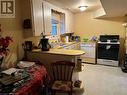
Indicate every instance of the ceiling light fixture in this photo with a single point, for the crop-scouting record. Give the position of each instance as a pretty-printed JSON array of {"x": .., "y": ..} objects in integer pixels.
[
  {"x": 124, "y": 24},
  {"x": 82, "y": 8}
]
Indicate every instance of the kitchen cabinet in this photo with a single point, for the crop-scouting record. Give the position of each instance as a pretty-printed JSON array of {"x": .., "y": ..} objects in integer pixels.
[
  {"x": 47, "y": 18},
  {"x": 42, "y": 17},
  {"x": 90, "y": 49},
  {"x": 69, "y": 24},
  {"x": 39, "y": 13},
  {"x": 32, "y": 10}
]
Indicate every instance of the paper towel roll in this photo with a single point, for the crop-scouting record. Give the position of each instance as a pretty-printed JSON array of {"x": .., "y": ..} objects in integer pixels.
[{"x": 67, "y": 39}]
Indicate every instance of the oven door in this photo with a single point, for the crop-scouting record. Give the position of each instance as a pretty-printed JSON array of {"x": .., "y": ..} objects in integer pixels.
[{"x": 108, "y": 51}]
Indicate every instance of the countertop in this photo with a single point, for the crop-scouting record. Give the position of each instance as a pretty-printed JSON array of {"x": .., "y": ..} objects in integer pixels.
[
  {"x": 89, "y": 42},
  {"x": 62, "y": 45},
  {"x": 61, "y": 52}
]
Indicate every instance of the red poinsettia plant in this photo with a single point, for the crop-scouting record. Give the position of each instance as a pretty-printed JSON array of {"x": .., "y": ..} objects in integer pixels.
[{"x": 4, "y": 43}]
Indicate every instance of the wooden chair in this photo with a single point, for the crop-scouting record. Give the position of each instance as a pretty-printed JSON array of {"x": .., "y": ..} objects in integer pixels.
[{"x": 62, "y": 75}]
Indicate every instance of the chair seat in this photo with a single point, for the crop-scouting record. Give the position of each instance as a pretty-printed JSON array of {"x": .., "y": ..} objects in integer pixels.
[
  {"x": 62, "y": 85},
  {"x": 62, "y": 76}
]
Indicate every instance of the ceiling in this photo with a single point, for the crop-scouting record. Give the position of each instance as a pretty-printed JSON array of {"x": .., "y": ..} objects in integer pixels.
[
  {"x": 112, "y": 8},
  {"x": 73, "y": 5},
  {"x": 115, "y": 8}
]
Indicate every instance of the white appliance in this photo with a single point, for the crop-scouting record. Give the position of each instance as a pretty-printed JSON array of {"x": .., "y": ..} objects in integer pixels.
[
  {"x": 108, "y": 50},
  {"x": 90, "y": 49}
]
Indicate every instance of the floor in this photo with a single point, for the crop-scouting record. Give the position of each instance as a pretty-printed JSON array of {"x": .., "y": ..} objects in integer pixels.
[{"x": 102, "y": 80}]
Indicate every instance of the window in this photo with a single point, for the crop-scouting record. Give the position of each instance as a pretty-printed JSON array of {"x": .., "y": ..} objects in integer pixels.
[
  {"x": 58, "y": 23},
  {"x": 54, "y": 29}
]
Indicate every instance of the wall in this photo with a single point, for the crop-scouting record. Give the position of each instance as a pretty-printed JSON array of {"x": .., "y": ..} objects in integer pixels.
[
  {"x": 86, "y": 26},
  {"x": 13, "y": 27}
]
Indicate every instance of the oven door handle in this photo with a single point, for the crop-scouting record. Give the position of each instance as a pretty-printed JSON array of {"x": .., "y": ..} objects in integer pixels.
[{"x": 107, "y": 60}]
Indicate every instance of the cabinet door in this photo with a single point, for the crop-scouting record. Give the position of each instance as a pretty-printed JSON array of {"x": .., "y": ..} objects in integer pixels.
[
  {"x": 69, "y": 22},
  {"x": 37, "y": 16},
  {"x": 47, "y": 18},
  {"x": 89, "y": 50}
]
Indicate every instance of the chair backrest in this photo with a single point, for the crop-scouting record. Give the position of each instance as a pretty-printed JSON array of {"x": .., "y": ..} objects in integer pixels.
[{"x": 62, "y": 70}]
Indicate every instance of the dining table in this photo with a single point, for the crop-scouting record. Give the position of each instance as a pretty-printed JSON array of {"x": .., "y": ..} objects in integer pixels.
[{"x": 34, "y": 83}]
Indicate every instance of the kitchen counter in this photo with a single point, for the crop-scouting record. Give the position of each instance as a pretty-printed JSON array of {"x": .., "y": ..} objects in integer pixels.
[
  {"x": 61, "y": 52},
  {"x": 58, "y": 54},
  {"x": 62, "y": 45}
]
